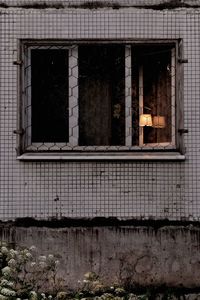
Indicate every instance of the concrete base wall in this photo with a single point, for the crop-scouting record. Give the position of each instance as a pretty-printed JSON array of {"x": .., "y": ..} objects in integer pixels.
[{"x": 169, "y": 255}]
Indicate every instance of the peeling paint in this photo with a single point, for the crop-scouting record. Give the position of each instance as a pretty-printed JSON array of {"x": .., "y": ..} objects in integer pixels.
[
  {"x": 173, "y": 4},
  {"x": 96, "y": 5},
  {"x": 167, "y": 5},
  {"x": 34, "y": 5},
  {"x": 100, "y": 222}
]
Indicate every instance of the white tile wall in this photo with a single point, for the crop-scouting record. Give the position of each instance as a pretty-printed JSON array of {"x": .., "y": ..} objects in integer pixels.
[{"x": 87, "y": 189}]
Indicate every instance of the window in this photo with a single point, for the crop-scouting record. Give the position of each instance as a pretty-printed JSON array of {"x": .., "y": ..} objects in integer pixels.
[{"x": 99, "y": 97}]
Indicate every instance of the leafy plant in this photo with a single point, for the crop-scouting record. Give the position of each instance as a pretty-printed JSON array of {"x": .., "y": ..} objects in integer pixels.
[{"x": 24, "y": 274}]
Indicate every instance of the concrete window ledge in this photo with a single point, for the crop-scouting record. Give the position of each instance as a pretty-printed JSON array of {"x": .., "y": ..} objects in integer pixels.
[{"x": 108, "y": 156}]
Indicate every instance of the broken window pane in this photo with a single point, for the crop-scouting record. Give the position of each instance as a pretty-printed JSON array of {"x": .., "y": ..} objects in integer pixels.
[
  {"x": 101, "y": 95},
  {"x": 49, "y": 81}
]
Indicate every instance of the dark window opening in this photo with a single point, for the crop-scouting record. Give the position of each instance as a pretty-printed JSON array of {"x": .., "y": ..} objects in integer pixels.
[
  {"x": 49, "y": 81},
  {"x": 101, "y": 95}
]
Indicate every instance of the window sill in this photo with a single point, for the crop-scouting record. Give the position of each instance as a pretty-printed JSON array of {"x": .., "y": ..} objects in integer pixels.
[{"x": 109, "y": 156}]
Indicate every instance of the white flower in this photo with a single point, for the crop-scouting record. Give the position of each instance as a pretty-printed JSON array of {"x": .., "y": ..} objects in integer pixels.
[
  {"x": 10, "y": 284},
  {"x": 5, "y": 282},
  {"x": 43, "y": 296},
  {"x": 85, "y": 280},
  {"x": 29, "y": 255},
  {"x": 25, "y": 251},
  {"x": 33, "y": 295},
  {"x": 20, "y": 258},
  {"x": 4, "y": 250},
  {"x": 8, "y": 292},
  {"x": 42, "y": 264},
  {"x": 33, "y": 264},
  {"x": 50, "y": 257},
  {"x": 42, "y": 258},
  {"x": 57, "y": 262},
  {"x": 33, "y": 248},
  {"x": 13, "y": 253},
  {"x": 61, "y": 295},
  {"x": 6, "y": 271},
  {"x": 12, "y": 262},
  {"x": 90, "y": 276},
  {"x": 3, "y": 297}
]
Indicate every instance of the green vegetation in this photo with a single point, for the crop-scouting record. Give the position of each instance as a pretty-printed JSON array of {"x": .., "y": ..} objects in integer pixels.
[{"x": 26, "y": 275}]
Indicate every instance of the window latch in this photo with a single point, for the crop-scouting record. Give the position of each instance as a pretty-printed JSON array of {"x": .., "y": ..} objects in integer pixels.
[
  {"x": 182, "y": 131},
  {"x": 19, "y": 131}
]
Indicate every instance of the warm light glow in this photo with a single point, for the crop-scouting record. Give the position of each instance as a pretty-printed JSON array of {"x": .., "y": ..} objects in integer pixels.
[
  {"x": 159, "y": 122},
  {"x": 145, "y": 120}
]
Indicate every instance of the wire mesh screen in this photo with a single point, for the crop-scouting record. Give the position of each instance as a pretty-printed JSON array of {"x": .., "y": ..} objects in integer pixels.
[
  {"x": 79, "y": 98},
  {"x": 88, "y": 189}
]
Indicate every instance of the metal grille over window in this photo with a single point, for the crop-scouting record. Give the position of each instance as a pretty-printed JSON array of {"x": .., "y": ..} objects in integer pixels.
[
  {"x": 99, "y": 97},
  {"x": 27, "y": 116},
  {"x": 73, "y": 97}
]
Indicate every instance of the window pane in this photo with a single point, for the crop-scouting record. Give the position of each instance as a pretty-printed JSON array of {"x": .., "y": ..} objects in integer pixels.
[
  {"x": 101, "y": 95},
  {"x": 152, "y": 64},
  {"x": 49, "y": 80},
  {"x": 157, "y": 94}
]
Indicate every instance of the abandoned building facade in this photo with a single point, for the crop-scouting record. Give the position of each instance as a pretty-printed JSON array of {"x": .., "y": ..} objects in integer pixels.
[{"x": 100, "y": 135}]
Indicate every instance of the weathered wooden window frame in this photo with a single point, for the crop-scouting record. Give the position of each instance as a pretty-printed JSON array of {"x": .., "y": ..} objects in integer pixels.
[{"x": 72, "y": 146}]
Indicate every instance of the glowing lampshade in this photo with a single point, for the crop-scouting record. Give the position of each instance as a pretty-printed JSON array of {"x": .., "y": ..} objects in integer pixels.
[
  {"x": 159, "y": 122},
  {"x": 145, "y": 120}
]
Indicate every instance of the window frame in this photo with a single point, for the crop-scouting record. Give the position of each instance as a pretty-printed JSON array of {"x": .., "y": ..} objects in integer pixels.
[
  {"x": 103, "y": 151},
  {"x": 73, "y": 101}
]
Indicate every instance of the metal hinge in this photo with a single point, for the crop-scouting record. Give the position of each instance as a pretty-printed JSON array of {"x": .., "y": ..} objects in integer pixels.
[
  {"x": 182, "y": 131},
  {"x": 19, "y": 131},
  {"x": 182, "y": 60},
  {"x": 18, "y": 62}
]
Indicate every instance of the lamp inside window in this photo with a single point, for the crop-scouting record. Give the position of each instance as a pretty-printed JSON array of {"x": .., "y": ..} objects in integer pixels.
[
  {"x": 145, "y": 120},
  {"x": 153, "y": 68}
]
